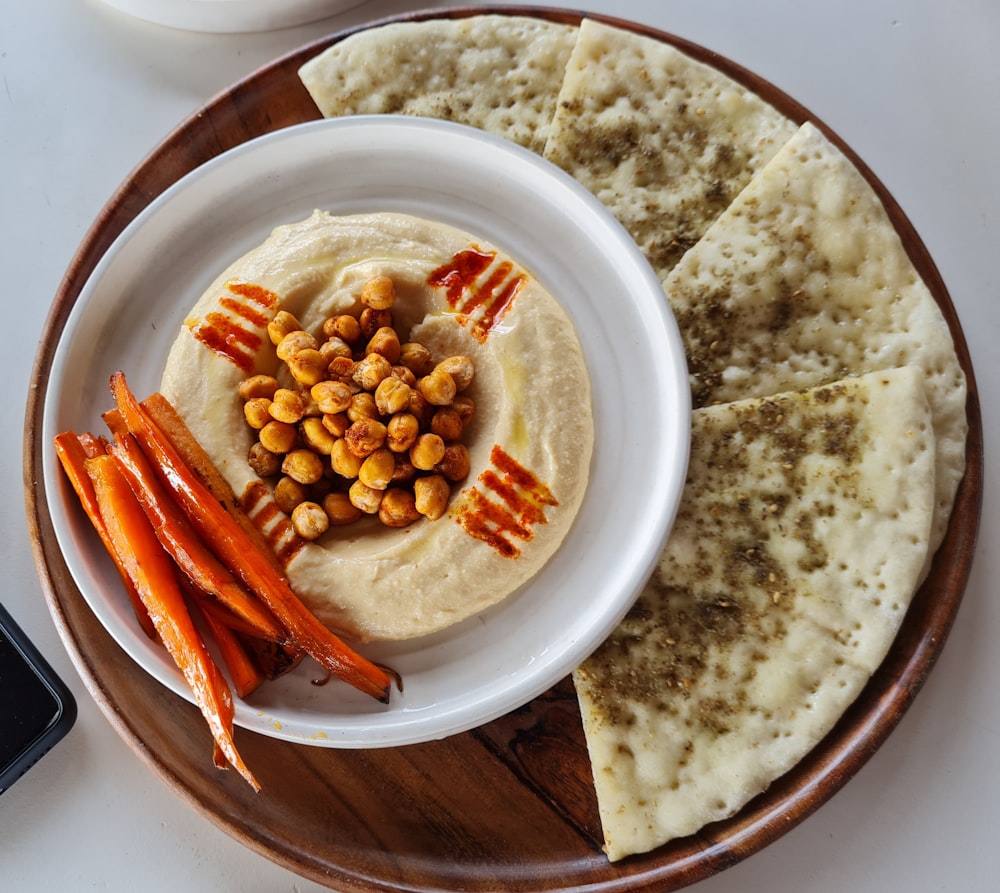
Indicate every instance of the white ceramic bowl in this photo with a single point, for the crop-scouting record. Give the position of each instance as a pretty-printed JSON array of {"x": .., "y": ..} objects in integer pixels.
[
  {"x": 232, "y": 16},
  {"x": 135, "y": 301}
]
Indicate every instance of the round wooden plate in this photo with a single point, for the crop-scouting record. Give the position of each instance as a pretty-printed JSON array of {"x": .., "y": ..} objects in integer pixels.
[{"x": 509, "y": 805}]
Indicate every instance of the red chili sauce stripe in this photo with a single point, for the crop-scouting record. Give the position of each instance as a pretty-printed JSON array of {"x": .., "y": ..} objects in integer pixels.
[
  {"x": 259, "y": 504},
  {"x": 226, "y": 331},
  {"x": 504, "y": 505},
  {"x": 466, "y": 293}
]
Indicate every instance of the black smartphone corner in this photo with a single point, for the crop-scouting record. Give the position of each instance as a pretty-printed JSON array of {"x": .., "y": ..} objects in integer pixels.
[{"x": 36, "y": 707}]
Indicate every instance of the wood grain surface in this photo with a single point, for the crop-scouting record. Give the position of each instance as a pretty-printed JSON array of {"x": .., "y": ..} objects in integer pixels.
[{"x": 509, "y": 805}]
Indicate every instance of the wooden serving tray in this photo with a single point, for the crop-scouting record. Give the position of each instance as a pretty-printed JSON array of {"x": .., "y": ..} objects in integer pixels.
[{"x": 509, "y": 805}]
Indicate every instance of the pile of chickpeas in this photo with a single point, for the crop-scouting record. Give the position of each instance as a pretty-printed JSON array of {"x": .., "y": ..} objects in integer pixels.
[{"x": 371, "y": 426}]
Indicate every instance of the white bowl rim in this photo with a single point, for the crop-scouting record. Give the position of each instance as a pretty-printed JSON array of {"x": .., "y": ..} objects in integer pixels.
[{"x": 666, "y": 399}]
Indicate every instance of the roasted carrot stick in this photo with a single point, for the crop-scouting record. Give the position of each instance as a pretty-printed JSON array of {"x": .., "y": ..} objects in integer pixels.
[
  {"x": 153, "y": 574},
  {"x": 242, "y": 670},
  {"x": 113, "y": 419},
  {"x": 221, "y": 613},
  {"x": 235, "y": 548},
  {"x": 183, "y": 544},
  {"x": 169, "y": 421},
  {"x": 92, "y": 444},
  {"x": 73, "y": 451},
  {"x": 244, "y": 673}
]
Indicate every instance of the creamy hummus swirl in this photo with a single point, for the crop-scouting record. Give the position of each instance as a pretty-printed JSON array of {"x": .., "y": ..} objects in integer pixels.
[{"x": 530, "y": 441}]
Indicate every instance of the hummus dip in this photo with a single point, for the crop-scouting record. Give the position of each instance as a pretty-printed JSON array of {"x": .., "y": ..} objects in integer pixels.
[{"x": 529, "y": 443}]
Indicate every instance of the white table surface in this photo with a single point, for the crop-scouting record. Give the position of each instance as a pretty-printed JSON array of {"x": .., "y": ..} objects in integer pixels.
[{"x": 913, "y": 86}]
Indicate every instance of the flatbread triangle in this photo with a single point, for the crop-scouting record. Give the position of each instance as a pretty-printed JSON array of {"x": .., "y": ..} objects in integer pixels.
[
  {"x": 803, "y": 280},
  {"x": 789, "y": 569},
  {"x": 499, "y": 73},
  {"x": 664, "y": 141}
]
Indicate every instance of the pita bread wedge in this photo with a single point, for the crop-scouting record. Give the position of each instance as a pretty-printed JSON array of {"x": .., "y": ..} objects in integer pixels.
[
  {"x": 797, "y": 548},
  {"x": 495, "y": 72},
  {"x": 802, "y": 281},
  {"x": 662, "y": 140}
]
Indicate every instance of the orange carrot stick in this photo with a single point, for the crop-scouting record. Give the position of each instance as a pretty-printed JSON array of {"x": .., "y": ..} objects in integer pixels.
[
  {"x": 221, "y": 613},
  {"x": 92, "y": 444},
  {"x": 183, "y": 544},
  {"x": 243, "y": 672},
  {"x": 161, "y": 411},
  {"x": 153, "y": 574},
  {"x": 113, "y": 419},
  {"x": 245, "y": 675},
  {"x": 232, "y": 545},
  {"x": 73, "y": 451}
]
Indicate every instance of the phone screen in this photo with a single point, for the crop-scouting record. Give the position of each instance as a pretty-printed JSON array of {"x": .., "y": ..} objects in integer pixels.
[{"x": 36, "y": 709}]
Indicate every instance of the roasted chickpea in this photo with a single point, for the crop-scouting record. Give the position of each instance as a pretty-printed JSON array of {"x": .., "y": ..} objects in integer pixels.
[
  {"x": 281, "y": 325},
  {"x": 362, "y": 406},
  {"x": 293, "y": 342},
  {"x": 454, "y": 464},
  {"x": 460, "y": 369},
  {"x": 397, "y": 508},
  {"x": 465, "y": 406},
  {"x": 386, "y": 343},
  {"x": 278, "y": 437},
  {"x": 416, "y": 358},
  {"x": 341, "y": 369},
  {"x": 447, "y": 424},
  {"x": 371, "y": 320},
  {"x": 287, "y": 406},
  {"x": 404, "y": 472},
  {"x": 377, "y": 470},
  {"x": 336, "y": 423},
  {"x": 401, "y": 432},
  {"x": 438, "y": 388},
  {"x": 379, "y": 293},
  {"x": 258, "y": 386},
  {"x": 365, "y": 436},
  {"x": 264, "y": 463},
  {"x": 343, "y": 326},
  {"x": 419, "y": 408},
  {"x": 404, "y": 375},
  {"x": 388, "y": 417},
  {"x": 343, "y": 461},
  {"x": 370, "y": 370},
  {"x": 289, "y": 493},
  {"x": 335, "y": 347},
  {"x": 340, "y": 510},
  {"x": 303, "y": 465},
  {"x": 331, "y": 396},
  {"x": 315, "y": 435},
  {"x": 365, "y": 498},
  {"x": 431, "y": 494},
  {"x": 427, "y": 451},
  {"x": 257, "y": 412},
  {"x": 310, "y": 520},
  {"x": 308, "y": 366},
  {"x": 392, "y": 396}
]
